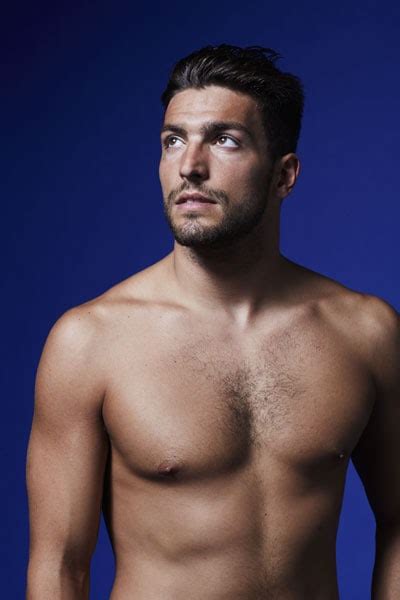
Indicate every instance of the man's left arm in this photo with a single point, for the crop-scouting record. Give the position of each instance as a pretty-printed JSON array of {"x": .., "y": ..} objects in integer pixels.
[{"x": 377, "y": 455}]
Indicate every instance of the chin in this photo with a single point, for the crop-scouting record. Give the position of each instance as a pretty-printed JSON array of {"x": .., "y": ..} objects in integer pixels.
[
  {"x": 203, "y": 239},
  {"x": 193, "y": 241}
]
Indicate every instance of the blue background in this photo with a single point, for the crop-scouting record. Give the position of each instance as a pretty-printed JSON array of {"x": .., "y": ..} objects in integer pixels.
[{"x": 82, "y": 201}]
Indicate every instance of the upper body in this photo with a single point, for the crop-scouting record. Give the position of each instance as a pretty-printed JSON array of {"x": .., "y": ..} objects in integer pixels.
[{"x": 210, "y": 404}]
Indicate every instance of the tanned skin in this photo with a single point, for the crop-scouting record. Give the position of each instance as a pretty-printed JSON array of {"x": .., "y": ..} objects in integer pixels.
[{"x": 210, "y": 403}]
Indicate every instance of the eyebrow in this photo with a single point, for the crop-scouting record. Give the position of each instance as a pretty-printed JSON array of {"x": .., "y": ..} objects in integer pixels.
[{"x": 209, "y": 127}]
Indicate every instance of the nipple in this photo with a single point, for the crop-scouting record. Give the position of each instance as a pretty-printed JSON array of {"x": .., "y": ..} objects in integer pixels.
[{"x": 168, "y": 468}]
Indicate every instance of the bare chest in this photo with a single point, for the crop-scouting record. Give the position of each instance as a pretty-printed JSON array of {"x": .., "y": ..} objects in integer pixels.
[{"x": 200, "y": 406}]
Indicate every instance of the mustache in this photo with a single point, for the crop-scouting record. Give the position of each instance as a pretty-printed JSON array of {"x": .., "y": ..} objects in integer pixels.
[{"x": 217, "y": 195}]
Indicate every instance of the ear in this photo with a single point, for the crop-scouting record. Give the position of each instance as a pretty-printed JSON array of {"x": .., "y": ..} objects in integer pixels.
[{"x": 287, "y": 170}]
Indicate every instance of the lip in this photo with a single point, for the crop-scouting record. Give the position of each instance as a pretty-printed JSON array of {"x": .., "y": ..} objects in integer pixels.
[
  {"x": 191, "y": 205},
  {"x": 194, "y": 199}
]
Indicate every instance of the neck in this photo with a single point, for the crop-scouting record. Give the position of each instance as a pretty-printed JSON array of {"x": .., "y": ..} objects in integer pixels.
[{"x": 238, "y": 279}]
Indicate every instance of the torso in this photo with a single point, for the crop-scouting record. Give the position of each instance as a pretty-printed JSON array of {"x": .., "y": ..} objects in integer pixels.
[{"x": 228, "y": 452}]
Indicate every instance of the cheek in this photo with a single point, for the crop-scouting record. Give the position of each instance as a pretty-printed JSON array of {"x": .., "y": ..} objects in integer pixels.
[
  {"x": 258, "y": 177},
  {"x": 164, "y": 175},
  {"x": 161, "y": 169},
  {"x": 169, "y": 165},
  {"x": 244, "y": 178}
]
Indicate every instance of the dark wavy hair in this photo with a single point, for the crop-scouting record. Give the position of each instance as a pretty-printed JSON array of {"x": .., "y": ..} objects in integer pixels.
[{"x": 250, "y": 70}]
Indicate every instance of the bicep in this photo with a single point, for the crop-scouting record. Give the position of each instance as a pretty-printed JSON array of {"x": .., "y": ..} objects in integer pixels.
[{"x": 68, "y": 446}]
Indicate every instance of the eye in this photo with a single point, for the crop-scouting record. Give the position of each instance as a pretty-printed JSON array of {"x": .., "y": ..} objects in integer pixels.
[
  {"x": 168, "y": 140},
  {"x": 234, "y": 143}
]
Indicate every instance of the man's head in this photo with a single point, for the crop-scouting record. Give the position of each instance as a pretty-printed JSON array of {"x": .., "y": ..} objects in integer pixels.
[
  {"x": 252, "y": 71},
  {"x": 238, "y": 97}
]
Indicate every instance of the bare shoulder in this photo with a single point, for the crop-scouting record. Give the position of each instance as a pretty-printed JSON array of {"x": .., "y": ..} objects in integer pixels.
[
  {"x": 373, "y": 317},
  {"x": 73, "y": 370},
  {"x": 85, "y": 328},
  {"x": 380, "y": 337},
  {"x": 380, "y": 320},
  {"x": 69, "y": 374},
  {"x": 368, "y": 323},
  {"x": 75, "y": 332}
]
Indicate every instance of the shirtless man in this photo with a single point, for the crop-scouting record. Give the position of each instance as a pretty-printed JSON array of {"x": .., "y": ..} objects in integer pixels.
[{"x": 210, "y": 403}]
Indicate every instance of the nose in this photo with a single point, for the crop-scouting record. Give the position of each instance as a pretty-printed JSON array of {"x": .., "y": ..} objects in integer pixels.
[{"x": 194, "y": 163}]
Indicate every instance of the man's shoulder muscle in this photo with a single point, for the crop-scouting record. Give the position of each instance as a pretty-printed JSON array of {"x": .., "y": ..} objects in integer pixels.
[
  {"x": 70, "y": 367},
  {"x": 382, "y": 327},
  {"x": 81, "y": 336},
  {"x": 369, "y": 324},
  {"x": 92, "y": 318}
]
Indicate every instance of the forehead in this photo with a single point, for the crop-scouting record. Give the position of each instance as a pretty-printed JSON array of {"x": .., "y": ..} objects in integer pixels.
[{"x": 213, "y": 103}]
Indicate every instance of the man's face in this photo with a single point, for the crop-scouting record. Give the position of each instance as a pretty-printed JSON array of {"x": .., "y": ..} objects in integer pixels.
[{"x": 213, "y": 143}]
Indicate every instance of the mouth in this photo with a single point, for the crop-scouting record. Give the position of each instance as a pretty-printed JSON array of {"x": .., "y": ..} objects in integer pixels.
[{"x": 194, "y": 199}]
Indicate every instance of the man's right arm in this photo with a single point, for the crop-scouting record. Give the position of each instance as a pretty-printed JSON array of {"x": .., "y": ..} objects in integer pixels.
[{"x": 66, "y": 459}]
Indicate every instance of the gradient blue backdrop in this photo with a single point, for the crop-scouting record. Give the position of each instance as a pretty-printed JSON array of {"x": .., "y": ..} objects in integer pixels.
[{"x": 80, "y": 146}]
